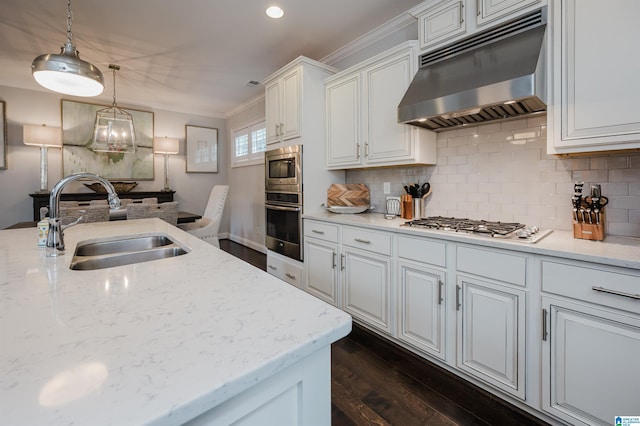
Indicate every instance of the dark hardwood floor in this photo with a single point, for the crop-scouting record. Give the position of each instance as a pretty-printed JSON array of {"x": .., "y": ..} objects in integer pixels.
[{"x": 375, "y": 382}]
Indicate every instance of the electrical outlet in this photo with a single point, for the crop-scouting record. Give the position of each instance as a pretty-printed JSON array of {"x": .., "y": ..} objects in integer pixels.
[{"x": 386, "y": 188}]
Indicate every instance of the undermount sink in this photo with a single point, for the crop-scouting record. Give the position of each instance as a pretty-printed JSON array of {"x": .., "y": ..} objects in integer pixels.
[{"x": 111, "y": 252}]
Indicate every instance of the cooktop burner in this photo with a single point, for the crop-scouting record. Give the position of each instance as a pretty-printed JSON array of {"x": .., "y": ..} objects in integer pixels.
[{"x": 517, "y": 231}]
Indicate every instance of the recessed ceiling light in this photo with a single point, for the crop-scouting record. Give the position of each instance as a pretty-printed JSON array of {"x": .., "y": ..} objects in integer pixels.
[{"x": 275, "y": 12}]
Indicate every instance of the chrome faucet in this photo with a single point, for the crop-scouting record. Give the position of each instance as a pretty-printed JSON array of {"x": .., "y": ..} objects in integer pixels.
[{"x": 55, "y": 239}]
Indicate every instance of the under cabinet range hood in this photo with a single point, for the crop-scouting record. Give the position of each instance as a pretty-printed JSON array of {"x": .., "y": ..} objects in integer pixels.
[{"x": 497, "y": 74}]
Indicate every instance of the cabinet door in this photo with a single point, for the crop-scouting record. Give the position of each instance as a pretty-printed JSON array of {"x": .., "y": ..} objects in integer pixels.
[
  {"x": 290, "y": 120},
  {"x": 590, "y": 363},
  {"x": 367, "y": 293},
  {"x": 441, "y": 23},
  {"x": 343, "y": 122},
  {"x": 386, "y": 140},
  {"x": 272, "y": 112},
  {"x": 321, "y": 276},
  {"x": 421, "y": 313},
  {"x": 595, "y": 77},
  {"x": 490, "y": 10},
  {"x": 491, "y": 333}
]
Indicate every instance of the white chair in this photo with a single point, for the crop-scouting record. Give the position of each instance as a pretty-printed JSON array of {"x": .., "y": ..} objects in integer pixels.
[{"x": 207, "y": 228}]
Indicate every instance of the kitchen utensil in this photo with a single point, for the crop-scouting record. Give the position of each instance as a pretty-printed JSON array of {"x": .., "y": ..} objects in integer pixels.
[{"x": 393, "y": 206}]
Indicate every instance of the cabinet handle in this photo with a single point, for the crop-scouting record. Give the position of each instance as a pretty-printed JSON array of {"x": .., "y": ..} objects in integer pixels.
[
  {"x": 461, "y": 12},
  {"x": 458, "y": 288},
  {"x": 315, "y": 231},
  {"x": 360, "y": 240},
  {"x": 281, "y": 129},
  {"x": 334, "y": 260},
  {"x": 617, "y": 293},
  {"x": 366, "y": 149},
  {"x": 342, "y": 262},
  {"x": 293, "y": 277},
  {"x": 277, "y": 130},
  {"x": 358, "y": 151},
  {"x": 478, "y": 7},
  {"x": 271, "y": 267},
  {"x": 544, "y": 325},
  {"x": 440, "y": 284}
]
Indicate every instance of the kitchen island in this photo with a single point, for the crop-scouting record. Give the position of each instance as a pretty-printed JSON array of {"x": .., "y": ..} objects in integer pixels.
[{"x": 158, "y": 342}]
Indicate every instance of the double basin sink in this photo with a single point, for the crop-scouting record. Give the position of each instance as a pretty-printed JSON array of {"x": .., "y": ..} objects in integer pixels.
[{"x": 124, "y": 250}]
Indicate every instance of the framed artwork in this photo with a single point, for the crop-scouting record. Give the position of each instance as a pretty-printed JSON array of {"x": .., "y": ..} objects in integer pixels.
[
  {"x": 3, "y": 142},
  {"x": 78, "y": 120},
  {"x": 202, "y": 149}
]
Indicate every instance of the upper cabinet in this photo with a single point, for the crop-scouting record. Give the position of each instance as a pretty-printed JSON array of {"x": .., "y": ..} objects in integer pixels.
[
  {"x": 443, "y": 22},
  {"x": 594, "y": 85},
  {"x": 288, "y": 113},
  {"x": 361, "y": 114}
]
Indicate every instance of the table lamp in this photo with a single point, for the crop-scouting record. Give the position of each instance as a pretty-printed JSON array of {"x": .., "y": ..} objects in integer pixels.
[
  {"x": 44, "y": 137},
  {"x": 166, "y": 146}
]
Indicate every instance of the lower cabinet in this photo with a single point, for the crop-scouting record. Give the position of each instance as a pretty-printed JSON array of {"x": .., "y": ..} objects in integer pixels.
[
  {"x": 285, "y": 268},
  {"x": 491, "y": 333},
  {"x": 367, "y": 287},
  {"x": 590, "y": 363},
  {"x": 421, "y": 309},
  {"x": 321, "y": 270}
]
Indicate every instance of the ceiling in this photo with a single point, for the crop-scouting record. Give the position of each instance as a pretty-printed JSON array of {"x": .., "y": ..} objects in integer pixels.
[{"x": 194, "y": 56}]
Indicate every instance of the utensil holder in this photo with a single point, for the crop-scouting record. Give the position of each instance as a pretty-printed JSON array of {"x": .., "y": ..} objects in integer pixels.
[
  {"x": 590, "y": 231},
  {"x": 417, "y": 208}
]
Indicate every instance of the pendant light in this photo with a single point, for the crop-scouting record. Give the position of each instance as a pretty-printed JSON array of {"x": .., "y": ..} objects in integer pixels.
[
  {"x": 113, "y": 131},
  {"x": 65, "y": 72}
]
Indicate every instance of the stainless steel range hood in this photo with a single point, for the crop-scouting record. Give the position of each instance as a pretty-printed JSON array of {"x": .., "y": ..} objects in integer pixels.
[{"x": 494, "y": 75}]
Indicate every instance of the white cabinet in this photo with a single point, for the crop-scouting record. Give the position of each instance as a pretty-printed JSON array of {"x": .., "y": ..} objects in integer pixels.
[
  {"x": 321, "y": 261},
  {"x": 361, "y": 114},
  {"x": 366, "y": 276},
  {"x": 491, "y": 10},
  {"x": 441, "y": 23},
  {"x": 591, "y": 341},
  {"x": 491, "y": 317},
  {"x": 294, "y": 99},
  {"x": 594, "y": 79},
  {"x": 282, "y": 107},
  {"x": 590, "y": 363},
  {"x": 285, "y": 268},
  {"x": 421, "y": 291}
]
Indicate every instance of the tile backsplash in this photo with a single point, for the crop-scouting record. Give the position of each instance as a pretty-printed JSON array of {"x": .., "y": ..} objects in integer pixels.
[{"x": 489, "y": 172}]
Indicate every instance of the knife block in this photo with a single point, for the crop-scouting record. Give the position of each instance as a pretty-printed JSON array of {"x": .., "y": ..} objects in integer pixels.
[{"x": 589, "y": 231}]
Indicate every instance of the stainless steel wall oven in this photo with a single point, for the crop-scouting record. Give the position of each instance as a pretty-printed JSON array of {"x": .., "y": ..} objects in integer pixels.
[{"x": 283, "y": 201}]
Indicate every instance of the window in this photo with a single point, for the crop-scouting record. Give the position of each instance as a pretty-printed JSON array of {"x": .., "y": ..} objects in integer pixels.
[{"x": 249, "y": 145}]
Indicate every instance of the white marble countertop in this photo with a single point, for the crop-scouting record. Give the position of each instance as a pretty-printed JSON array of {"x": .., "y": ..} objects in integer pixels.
[
  {"x": 152, "y": 343},
  {"x": 614, "y": 251}
]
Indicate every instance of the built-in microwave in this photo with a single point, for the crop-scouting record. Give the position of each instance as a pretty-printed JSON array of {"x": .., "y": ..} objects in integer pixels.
[{"x": 283, "y": 169}]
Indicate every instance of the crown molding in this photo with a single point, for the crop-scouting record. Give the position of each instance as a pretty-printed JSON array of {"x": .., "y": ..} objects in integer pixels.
[
  {"x": 243, "y": 106},
  {"x": 369, "y": 38}
]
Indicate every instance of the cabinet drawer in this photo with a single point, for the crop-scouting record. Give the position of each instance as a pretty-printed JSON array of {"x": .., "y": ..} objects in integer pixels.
[
  {"x": 321, "y": 230},
  {"x": 377, "y": 242},
  {"x": 293, "y": 275},
  {"x": 502, "y": 266},
  {"x": 616, "y": 289},
  {"x": 422, "y": 250}
]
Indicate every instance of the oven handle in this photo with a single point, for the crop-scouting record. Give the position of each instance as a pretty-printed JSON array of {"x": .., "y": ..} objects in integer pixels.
[{"x": 282, "y": 208}]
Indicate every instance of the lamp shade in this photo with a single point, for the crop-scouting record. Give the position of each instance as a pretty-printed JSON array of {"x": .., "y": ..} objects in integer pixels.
[
  {"x": 42, "y": 136},
  {"x": 166, "y": 145}
]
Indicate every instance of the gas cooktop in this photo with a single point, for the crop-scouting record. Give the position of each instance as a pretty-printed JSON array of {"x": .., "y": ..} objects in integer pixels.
[{"x": 505, "y": 230}]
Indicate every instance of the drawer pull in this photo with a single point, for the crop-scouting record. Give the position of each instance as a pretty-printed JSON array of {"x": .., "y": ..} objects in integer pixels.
[
  {"x": 315, "y": 231},
  {"x": 272, "y": 267},
  {"x": 615, "y": 292},
  {"x": 293, "y": 277},
  {"x": 360, "y": 240}
]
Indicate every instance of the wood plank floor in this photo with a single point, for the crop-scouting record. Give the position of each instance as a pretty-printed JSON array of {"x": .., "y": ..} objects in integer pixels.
[{"x": 375, "y": 382}]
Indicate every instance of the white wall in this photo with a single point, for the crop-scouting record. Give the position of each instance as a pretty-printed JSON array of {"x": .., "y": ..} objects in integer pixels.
[
  {"x": 23, "y": 174},
  {"x": 246, "y": 185}
]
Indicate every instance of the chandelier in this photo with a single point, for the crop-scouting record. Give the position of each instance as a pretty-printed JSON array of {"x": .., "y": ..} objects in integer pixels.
[{"x": 113, "y": 131}]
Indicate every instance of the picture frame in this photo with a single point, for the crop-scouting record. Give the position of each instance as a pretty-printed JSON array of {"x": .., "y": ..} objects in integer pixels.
[
  {"x": 3, "y": 142},
  {"x": 78, "y": 120},
  {"x": 201, "y": 149}
]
